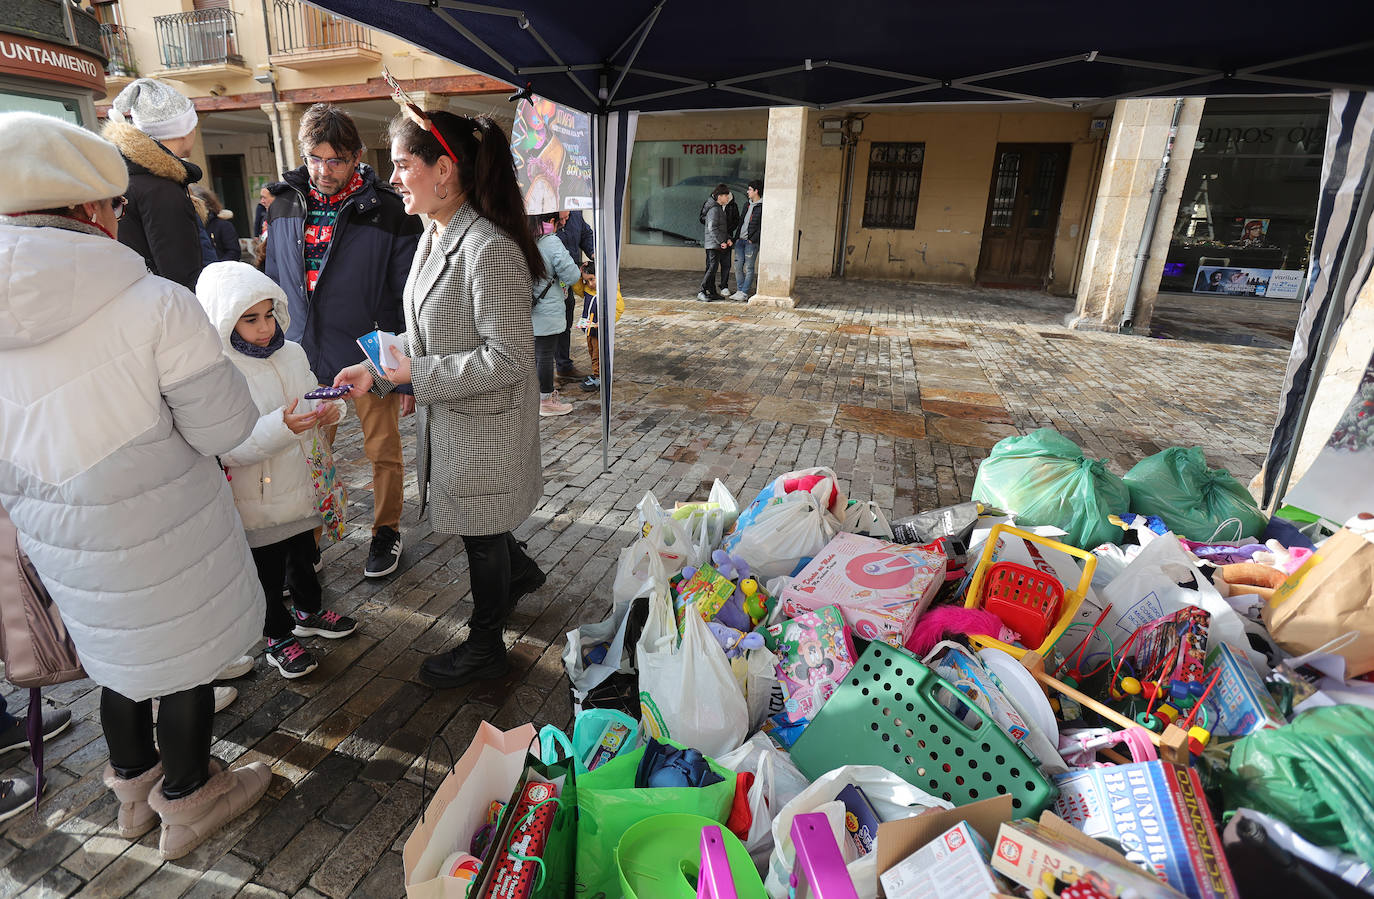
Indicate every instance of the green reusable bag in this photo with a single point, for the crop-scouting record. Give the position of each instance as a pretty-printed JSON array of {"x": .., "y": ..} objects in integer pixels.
[
  {"x": 609, "y": 803},
  {"x": 1316, "y": 775},
  {"x": 1044, "y": 478},
  {"x": 1197, "y": 503}
]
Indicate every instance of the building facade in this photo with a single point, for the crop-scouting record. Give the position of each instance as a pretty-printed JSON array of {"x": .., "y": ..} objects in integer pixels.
[
  {"x": 51, "y": 59},
  {"x": 252, "y": 67}
]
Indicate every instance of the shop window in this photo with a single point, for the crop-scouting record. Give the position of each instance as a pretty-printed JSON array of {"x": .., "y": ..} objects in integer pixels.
[
  {"x": 1249, "y": 201},
  {"x": 894, "y": 183},
  {"x": 671, "y": 179}
]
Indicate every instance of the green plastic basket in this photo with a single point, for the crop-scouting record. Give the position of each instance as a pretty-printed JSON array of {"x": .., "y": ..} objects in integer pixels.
[{"x": 886, "y": 713}]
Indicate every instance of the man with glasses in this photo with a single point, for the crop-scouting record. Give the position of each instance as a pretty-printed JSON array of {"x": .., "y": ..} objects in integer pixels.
[{"x": 340, "y": 243}]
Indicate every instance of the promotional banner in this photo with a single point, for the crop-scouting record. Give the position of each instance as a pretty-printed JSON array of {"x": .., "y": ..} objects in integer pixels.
[
  {"x": 1283, "y": 284},
  {"x": 1337, "y": 485},
  {"x": 552, "y": 146}
]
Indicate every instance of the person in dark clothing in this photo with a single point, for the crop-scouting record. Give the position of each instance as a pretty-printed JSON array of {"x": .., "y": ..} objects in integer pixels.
[
  {"x": 219, "y": 225},
  {"x": 732, "y": 220},
  {"x": 260, "y": 212},
  {"x": 747, "y": 243},
  {"x": 578, "y": 239},
  {"x": 340, "y": 243},
  {"x": 160, "y": 222},
  {"x": 716, "y": 240}
]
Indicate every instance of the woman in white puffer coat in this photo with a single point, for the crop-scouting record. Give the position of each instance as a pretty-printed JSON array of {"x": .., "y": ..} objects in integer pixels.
[
  {"x": 269, "y": 472},
  {"x": 114, "y": 401}
]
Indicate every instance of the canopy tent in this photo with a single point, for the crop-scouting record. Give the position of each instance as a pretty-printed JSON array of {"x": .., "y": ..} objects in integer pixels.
[{"x": 615, "y": 58}]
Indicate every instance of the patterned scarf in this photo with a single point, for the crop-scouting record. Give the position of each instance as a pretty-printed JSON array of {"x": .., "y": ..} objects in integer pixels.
[
  {"x": 321, "y": 214},
  {"x": 252, "y": 349}
]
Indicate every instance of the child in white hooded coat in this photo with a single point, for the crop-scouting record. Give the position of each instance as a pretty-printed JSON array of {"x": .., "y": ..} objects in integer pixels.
[{"x": 269, "y": 474}]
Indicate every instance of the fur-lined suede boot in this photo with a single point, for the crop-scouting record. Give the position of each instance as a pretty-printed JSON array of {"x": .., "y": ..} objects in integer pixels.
[
  {"x": 189, "y": 821},
  {"x": 136, "y": 817}
]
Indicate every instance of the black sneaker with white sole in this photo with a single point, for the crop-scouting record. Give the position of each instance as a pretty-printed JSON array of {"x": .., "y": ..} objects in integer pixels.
[
  {"x": 16, "y": 735},
  {"x": 330, "y": 625},
  {"x": 384, "y": 556},
  {"x": 290, "y": 658}
]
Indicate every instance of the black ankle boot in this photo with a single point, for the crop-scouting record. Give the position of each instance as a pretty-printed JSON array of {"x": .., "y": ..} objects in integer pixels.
[
  {"x": 527, "y": 582},
  {"x": 480, "y": 657}
]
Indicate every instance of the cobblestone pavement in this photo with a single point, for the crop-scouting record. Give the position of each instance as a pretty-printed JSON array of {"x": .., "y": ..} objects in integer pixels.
[{"x": 900, "y": 388}]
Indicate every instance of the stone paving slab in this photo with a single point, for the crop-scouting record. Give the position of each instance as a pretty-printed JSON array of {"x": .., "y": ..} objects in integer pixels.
[{"x": 901, "y": 388}]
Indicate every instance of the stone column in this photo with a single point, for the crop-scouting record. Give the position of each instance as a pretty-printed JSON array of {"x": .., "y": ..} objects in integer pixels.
[
  {"x": 284, "y": 119},
  {"x": 1140, "y": 132},
  {"x": 782, "y": 205}
]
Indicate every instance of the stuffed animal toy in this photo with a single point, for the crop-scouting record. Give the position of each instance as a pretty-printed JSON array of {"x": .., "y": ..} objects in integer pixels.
[
  {"x": 942, "y": 622},
  {"x": 734, "y": 641},
  {"x": 734, "y": 568}
]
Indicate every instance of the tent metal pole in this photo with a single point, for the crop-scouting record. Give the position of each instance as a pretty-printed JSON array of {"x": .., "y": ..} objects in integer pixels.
[
  {"x": 1147, "y": 234},
  {"x": 1157, "y": 66},
  {"x": 551, "y": 70},
  {"x": 471, "y": 7},
  {"x": 477, "y": 41},
  {"x": 1170, "y": 89},
  {"x": 913, "y": 89},
  {"x": 1012, "y": 95},
  {"x": 643, "y": 26},
  {"x": 787, "y": 101},
  {"x": 1298, "y": 60},
  {"x": 869, "y": 70},
  {"x": 644, "y": 30},
  {"x": 659, "y": 95},
  {"x": 1335, "y": 308}
]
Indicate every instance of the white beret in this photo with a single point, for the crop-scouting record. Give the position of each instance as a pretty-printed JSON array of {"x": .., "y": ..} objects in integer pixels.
[{"x": 52, "y": 164}]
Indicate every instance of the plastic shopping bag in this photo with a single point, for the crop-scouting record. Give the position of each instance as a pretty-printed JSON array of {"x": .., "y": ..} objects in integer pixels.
[
  {"x": 824, "y": 486},
  {"x": 687, "y": 691},
  {"x": 668, "y": 535},
  {"x": 640, "y": 573},
  {"x": 608, "y": 803},
  {"x": 892, "y": 798},
  {"x": 866, "y": 518},
  {"x": 707, "y": 522},
  {"x": 784, "y": 536},
  {"x": 1044, "y": 479},
  {"x": 776, "y": 783},
  {"x": 1196, "y": 502},
  {"x": 1316, "y": 775},
  {"x": 331, "y": 495}
]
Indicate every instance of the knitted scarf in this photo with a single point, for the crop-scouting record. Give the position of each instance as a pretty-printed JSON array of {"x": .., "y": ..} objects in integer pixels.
[{"x": 252, "y": 349}]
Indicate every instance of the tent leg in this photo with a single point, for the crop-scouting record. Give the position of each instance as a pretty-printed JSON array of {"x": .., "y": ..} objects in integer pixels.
[{"x": 603, "y": 229}]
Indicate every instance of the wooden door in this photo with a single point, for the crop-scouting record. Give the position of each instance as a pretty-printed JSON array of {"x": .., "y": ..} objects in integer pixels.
[{"x": 1023, "y": 209}]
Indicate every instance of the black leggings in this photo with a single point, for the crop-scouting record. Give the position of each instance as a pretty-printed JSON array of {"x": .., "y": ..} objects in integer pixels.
[
  {"x": 184, "y": 721},
  {"x": 290, "y": 561},
  {"x": 493, "y": 562},
  {"x": 544, "y": 348}
]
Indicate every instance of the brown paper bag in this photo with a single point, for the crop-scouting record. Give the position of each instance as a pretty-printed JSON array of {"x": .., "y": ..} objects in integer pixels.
[{"x": 1331, "y": 598}]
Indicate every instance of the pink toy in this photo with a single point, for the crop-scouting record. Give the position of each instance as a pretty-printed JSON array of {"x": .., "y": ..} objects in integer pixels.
[
  {"x": 806, "y": 482},
  {"x": 942, "y": 621}
]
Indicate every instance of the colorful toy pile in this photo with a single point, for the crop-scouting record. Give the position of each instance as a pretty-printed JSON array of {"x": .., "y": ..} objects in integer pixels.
[{"x": 798, "y": 698}]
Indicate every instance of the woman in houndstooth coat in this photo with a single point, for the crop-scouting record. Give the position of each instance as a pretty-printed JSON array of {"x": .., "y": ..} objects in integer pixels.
[{"x": 471, "y": 363}]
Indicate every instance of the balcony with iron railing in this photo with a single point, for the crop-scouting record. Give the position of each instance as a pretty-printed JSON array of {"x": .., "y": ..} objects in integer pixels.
[
  {"x": 120, "y": 67},
  {"x": 304, "y": 37},
  {"x": 202, "y": 43}
]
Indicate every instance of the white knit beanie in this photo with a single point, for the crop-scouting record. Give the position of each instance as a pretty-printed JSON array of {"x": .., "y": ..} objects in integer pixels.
[
  {"x": 158, "y": 110},
  {"x": 53, "y": 164}
]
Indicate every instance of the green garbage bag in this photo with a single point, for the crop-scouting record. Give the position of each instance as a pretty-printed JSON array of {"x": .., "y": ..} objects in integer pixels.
[
  {"x": 1044, "y": 478},
  {"x": 1196, "y": 502},
  {"x": 1316, "y": 775},
  {"x": 608, "y": 803}
]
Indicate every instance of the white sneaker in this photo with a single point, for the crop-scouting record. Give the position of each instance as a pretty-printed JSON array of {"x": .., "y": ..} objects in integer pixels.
[
  {"x": 237, "y": 668},
  {"x": 739, "y": 295},
  {"x": 224, "y": 696},
  {"x": 701, "y": 295}
]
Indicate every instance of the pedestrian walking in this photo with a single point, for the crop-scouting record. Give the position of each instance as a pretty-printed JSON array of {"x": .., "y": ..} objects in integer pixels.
[{"x": 547, "y": 314}]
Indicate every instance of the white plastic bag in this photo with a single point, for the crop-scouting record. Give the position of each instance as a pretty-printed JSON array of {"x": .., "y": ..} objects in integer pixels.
[
  {"x": 892, "y": 798},
  {"x": 687, "y": 691},
  {"x": 776, "y": 783},
  {"x": 707, "y": 523},
  {"x": 784, "y": 534},
  {"x": 760, "y": 682},
  {"x": 666, "y": 533},
  {"x": 866, "y": 518},
  {"x": 640, "y": 572}
]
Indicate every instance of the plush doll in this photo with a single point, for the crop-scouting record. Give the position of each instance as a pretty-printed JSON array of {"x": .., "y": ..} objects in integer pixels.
[
  {"x": 734, "y": 641},
  {"x": 734, "y": 568}
]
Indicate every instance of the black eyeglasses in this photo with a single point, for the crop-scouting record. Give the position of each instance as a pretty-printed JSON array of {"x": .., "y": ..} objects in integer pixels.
[{"x": 119, "y": 204}]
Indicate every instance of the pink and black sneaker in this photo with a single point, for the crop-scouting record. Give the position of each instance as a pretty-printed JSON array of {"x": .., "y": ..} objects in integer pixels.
[
  {"x": 330, "y": 625},
  {"x": 290, "y": 658}
]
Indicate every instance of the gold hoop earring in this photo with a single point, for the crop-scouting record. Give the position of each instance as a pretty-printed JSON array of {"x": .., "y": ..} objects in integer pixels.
[{"x": 436, "y": 193}]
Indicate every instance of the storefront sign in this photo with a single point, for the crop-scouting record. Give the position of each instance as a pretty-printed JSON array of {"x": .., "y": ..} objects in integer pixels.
[
  {"x": 1280, "y": 284},
  {"x": 670, "y": 180},
  {"x": 553, "y": 156},
  {"x": 29, "y": 58}
]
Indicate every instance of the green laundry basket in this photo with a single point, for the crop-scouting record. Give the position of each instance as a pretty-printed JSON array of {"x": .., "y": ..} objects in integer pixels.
[
  {"x": 660, "y": 857},
  {"x": 886, "y": 713}
]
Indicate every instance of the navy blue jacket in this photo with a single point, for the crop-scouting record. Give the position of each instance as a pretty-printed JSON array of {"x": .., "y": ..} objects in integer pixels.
[
  {"x": 364, "y": 272},
  {"x": 577, "y": 237}
]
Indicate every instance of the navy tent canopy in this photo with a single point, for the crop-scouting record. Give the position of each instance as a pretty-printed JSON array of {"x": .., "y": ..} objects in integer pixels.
[
  {"x": 617, "y": 58},
  {"x": 690, "y": 55}
]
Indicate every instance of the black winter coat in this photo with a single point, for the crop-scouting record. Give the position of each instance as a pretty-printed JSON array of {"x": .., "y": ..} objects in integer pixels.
[
  {"x": 365, "y": 269},
  {"x": 224, "y": 237},
  {"x": 159, "y": 224}
]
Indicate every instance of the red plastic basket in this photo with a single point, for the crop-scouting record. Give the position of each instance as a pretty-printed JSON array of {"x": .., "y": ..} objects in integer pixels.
[{"x": 1027, "y": 600}]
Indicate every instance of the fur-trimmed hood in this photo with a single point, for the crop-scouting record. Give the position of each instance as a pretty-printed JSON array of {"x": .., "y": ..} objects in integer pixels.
[{"x": 144, "y": 155}]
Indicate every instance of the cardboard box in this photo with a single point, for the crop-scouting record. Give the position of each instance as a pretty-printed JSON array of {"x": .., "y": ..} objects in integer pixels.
[
  {"x": 897, "y": 840},
  {"x": 880, "y": 587},
  {"x": 1157, "y": 813},
  {"x": 1239, "y": 699},
  {"x": 954, "y": 865},
  {"x": 1036, "y": 856}
]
